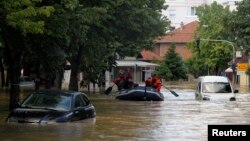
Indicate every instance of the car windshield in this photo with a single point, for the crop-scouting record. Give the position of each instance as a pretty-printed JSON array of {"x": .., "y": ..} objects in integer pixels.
[
  {"x": 48, "y": 101},
  {"x": 216, "y": 87},
  {"x": 25, "y": 79}
]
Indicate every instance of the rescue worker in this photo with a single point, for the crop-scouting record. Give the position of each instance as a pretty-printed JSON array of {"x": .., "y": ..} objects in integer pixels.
[
  {"x": 154, "y": 81},
  {"x": 120, "y": 80},
  {"x": 148, "y": 82},
  {"x": 128, "y": 80}
]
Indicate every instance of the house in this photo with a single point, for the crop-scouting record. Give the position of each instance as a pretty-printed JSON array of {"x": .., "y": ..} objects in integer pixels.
[
  {"x": 139, "y": 70},
  {"x": 142, "y": 66},
  {"x": 180, "y": 36},
  {"x": 184, "y": 11},
  {"x": 149, "y": 56},
  {"x": 241, "y": 66}
]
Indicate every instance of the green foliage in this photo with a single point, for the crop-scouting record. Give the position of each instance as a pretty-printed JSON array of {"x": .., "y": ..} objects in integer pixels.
[
  {"x": 239, "y": 24},
  {"x": 103, "y": 28},
  {"x": 176, "y": 68},
  {"x": 215, "y": 55},
  {"x": 248, "y": 72},
  {"x": 25, "y": 15},
  {"x": 163, "y": 71},
  {"x": 136, "y": 23},
  {"x": 196, "y": 66},
  {"x": 87, "y": 32}
]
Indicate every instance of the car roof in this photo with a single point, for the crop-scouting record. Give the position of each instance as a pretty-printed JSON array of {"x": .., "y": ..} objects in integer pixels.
[
  {"x": 73, "y": 93},
  {"x": 213, "y": 79}
]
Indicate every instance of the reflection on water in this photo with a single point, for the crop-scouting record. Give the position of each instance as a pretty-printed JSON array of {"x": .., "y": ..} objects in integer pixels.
[{"x": 175, "y": 119}]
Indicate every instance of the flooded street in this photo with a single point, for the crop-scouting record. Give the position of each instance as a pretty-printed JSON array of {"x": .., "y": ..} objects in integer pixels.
[{"x": 175, "y": 119}]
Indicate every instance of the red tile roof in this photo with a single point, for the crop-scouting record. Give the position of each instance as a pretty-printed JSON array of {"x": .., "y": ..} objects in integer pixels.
[
  {"x": 149, "y": 55},
  {"x": 180, "y": 35}
]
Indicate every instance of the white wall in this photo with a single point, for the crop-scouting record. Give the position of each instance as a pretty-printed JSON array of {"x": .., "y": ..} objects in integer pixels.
[{"x": 180, "y": 10}]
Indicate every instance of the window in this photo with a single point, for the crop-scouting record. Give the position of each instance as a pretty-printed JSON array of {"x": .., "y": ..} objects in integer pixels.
[
  {"x": 172, "y": 13},
  {"x": 191, "y": 11},
  {"x": 216, "y": 87}
]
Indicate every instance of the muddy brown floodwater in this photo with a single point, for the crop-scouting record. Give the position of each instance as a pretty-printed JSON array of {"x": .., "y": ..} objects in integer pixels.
[{"x": 175, "y": 119}]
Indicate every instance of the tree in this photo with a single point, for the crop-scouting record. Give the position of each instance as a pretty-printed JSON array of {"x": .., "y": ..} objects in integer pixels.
[
  {"x": 163, "y": 71},
  {"x": 214, "y": 55},
  {"x": 124, "y": 26},
  {"x": 176, "y": 68},
  {"x": 18, "y": 18},
  {"x": 79, "y": 31},
  {"x": 196, "y": 66},
  {"x": 239, "y": 25}
]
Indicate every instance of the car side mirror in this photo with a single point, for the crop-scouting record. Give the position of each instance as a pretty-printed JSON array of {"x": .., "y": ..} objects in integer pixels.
[
  {"x": 236, "y": 91},
  {"x": 232, "y": 99},
  {"x": 206, "y": 98}
]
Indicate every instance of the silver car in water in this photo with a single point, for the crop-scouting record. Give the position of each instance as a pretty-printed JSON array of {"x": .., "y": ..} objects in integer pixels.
[{"x": 214, "y": 87}]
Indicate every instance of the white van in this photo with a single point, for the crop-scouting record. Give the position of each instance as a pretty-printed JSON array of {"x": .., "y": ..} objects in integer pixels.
[{"x": 214, "y": 87}]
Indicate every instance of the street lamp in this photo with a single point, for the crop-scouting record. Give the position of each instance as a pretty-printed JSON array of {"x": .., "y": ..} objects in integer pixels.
[{"x": 231, "y": 44}]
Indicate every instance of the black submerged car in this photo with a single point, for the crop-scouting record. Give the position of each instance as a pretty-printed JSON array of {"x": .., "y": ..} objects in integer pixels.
[{"x": 53, "y": 106}]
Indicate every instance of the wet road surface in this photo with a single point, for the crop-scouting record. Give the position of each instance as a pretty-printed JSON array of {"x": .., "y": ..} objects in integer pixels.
[{"x": 175, "y": 119}]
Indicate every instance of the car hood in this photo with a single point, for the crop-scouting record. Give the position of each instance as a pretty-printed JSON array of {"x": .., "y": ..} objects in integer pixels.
[
  {"x": 35, "y": 115},
  {"x": 219, "y": 96}
]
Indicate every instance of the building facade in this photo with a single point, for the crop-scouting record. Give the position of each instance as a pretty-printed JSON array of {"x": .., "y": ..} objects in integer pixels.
[{"x": 182, "y": 12}]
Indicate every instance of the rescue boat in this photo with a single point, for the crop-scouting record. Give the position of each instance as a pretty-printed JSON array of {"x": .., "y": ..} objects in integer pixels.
[{"x": 140, "y": 93}]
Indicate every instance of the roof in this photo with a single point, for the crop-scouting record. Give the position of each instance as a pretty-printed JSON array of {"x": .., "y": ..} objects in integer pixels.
[
  {"x": 214, "y": 79},
  {"x": 125, "y": 63},
  {"x": 54, "y": 92},
  {"x": 180, "y": 35},
  {"x": 149, "y": 55}
]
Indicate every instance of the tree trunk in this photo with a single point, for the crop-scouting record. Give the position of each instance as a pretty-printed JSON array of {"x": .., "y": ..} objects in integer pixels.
[
  {"x": 59, "y": 77},
  {"x": 2, "y": 72},
  {"x": 15, "y": 73},
  {"x": 7, "y": 78},
  {"x": 73, "y": 85},
  {"x": 75, "y": 66},
  {"x": 13, "y": 51},
  {"x": 47, "y": 84}
]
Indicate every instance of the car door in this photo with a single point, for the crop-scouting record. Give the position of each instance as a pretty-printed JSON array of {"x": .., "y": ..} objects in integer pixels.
[
  {"x": 89, "y": 108},
  {"x": 79, "y": 108}
]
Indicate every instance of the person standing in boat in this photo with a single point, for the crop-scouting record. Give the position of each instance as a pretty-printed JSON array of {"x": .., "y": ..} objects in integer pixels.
[
  {"x": 120, "y": 80},
  {"x": 148, "y": 82},
  {"x": 128, "y": 80}
]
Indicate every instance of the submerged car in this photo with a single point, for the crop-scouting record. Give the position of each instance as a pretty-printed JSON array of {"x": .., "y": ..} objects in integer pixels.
[
  {"x": 26, "y": 83},
  {"x": 48, "y": 106},
  {"x": 214, "y": 87}
]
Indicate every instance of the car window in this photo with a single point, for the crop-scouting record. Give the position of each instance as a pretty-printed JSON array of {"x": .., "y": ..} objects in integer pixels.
[
  {"x": 79, "y": 101},
  {"x": 58, "y": 101},
  {"x": 216, "y": 87},
  {"x": 25, "y": 79},
  {"x": 85, "y": 98}
]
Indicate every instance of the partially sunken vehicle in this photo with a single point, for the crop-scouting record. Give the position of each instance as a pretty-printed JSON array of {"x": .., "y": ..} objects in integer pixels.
[
  {"x": 48, "y": 106},
  {"x": 214, "y": 87}
]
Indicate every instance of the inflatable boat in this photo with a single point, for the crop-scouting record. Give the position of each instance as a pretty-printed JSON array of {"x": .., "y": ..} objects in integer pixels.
[{"x": 140, "y": 93}]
